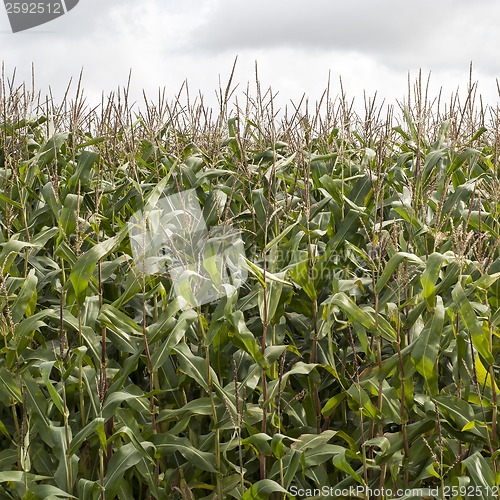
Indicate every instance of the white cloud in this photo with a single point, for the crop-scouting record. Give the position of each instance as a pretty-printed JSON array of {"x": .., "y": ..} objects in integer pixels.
[
  {"x": 372, "y": 45},
  {"x": 446, "y": 33}
]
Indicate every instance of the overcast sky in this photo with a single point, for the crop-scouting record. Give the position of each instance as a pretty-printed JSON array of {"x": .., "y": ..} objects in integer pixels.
[{"x": 371, "y": 44}]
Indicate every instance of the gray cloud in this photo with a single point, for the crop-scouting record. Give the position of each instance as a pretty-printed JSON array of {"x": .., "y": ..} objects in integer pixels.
[
  {"x": 401, "y": 34},
  {"x": 371, "y": 44}
]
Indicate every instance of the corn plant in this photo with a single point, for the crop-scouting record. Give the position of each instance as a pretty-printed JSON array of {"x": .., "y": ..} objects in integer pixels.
[{"x": 360, "y": 355}]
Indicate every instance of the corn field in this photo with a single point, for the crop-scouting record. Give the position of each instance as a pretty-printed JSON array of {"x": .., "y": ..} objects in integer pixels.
[{"x": 359, "y": 359}]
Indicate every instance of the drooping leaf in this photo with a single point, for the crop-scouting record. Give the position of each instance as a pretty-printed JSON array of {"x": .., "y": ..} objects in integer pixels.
[
  {"x": 262, "y": 490},
  {"x": 86, "y": 263},
  {"x": 426, "y": 349},
  {"x": 125, "y": 457}
]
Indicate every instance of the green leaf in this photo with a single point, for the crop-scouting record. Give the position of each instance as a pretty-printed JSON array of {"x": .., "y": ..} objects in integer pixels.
[
  {"x": 362, "y": 399},
  {"x": 84, "y": 267},
  {"x": 47, "y": 492},
  {"x": 47, "y": 152},
  {"x": 260, "y": 442},
  {"x": 119, "y": 321},
  {"x": 277, "y": 446},
  {"x": 7, "y": 459},
  {"x": 307, "y": 441},
  {"x": 244, "y": 338},
  {"x": 351, "y": 309},
  {"x": 8, "y": 201},
  {"x": 45, "y": 369},
  {"x": 300, "y": 274},
  {"x": 115, "y": 399},
  {"x": 37, "y": 404},
  {"x": 320, "y": 454},
  {"x": 360, "y": 194},
  {"x": 167, "y": 444},
  {"x": 391, "y": 267},
  {"x": 258, "y": 272},
  {"x": 24, "y": 303},
  {"x": 66, "y": 468},
  {"x": 430, "y": 276},
  {"x": 123, "y": 459},
  {"x": 9, "y": 385},
  {"x": 136, "y": 439},
  {"x": 458, "y": 412},
  {"x": 460, "y": 159},
  {"x": 9, "y": 252},
  {"x": 84, "y": 434},
  {"x": 274, "y": 242},
  {"x": 200, "y": 406},
  {"x": 294, "y": 463},
  {"x": 123, "y": 332},
  {"x": 332, "y": 404},
  {"x": 263, "y": 489},
  {"x": 20, "y": 477},
  {"x": 86, "y": 161},
  {"x": 27, "y": 326},
  {"x": 49, "y": 196},
  {"x": 273, "y": 295},
  {"x": 481, "y": 475},
  {"x": 67, "y": 219},
  {"x": 479, "y": 336},
  {"x": 88, "y": 490},
  {"x": 160, "y": 354},
  {"x": 163, "y": 326},
  {"x": 194, "y": 366},
  {"x": 426, "y": 349},
  {"x": 299, "y": 368},
  {"x": 341, "y": 463}
]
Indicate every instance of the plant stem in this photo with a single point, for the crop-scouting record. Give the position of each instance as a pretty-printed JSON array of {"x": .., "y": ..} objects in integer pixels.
[{"x": 215, "y": 421}]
